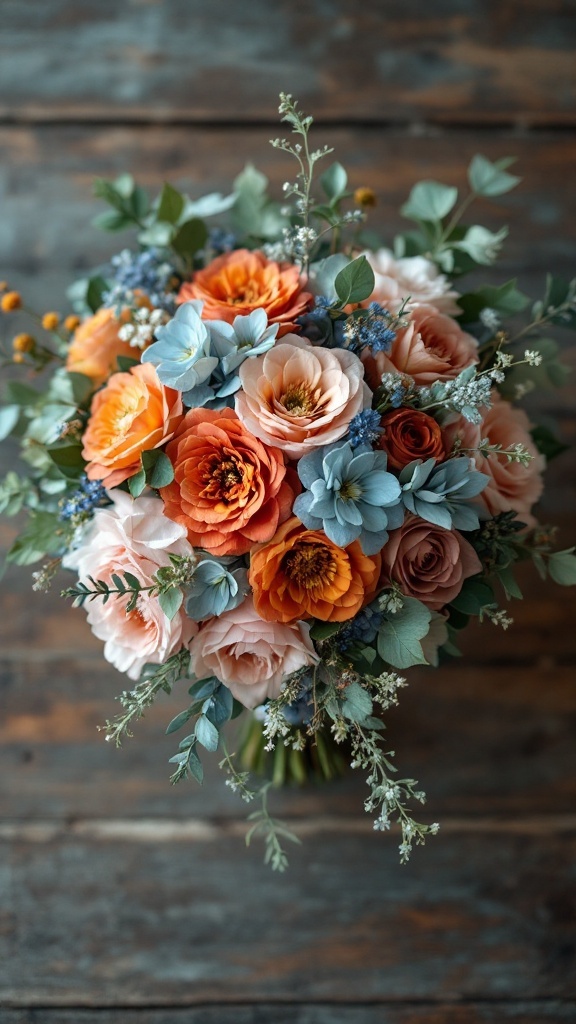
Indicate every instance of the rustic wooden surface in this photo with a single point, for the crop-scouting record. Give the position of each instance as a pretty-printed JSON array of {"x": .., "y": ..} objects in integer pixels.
[{"x": 123, "y": 900}]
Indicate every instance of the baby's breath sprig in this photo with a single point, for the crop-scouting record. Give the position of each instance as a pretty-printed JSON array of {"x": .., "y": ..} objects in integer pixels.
[{"x": 303, "y": 237}]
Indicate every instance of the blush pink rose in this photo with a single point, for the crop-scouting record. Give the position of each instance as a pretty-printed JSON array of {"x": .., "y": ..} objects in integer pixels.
[
  {"x": 411, "y": 276},
  {"x": 512, "y": 485},
  {"x": 432, "y": 347},
  {"x": 250, "y": 656},
  {"x": 298, "y": 397},
  {"x": 132, "y": 536},
  {"x": 428, "y": 562}
]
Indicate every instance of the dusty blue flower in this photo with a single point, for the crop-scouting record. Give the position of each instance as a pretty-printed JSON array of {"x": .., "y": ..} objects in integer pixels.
[
  {"x": 149, "y": 272},
  {"x": 350, "y": 495},
  {"x": 215, "y": 589},
  {"x": 231, "y": 344},
  {"x": 365, "y": 428},
  {"x": 181, "y": 353},
  {"x": 361, "y": 629},
  {"x": 441, "y": 493}
]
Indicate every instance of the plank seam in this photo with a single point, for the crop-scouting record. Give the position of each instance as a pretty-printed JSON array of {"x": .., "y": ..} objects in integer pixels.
[{"x": 543, "y": 1002}]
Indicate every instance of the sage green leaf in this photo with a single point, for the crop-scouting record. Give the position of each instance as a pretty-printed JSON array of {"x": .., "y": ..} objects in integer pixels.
[
  {"x": 206, "y": 733},
  {"x": 357, "y": 703},
  {"x": 170, "y": 601},
  {"x": 399, "y": 636},
  {"x": 355, "y": 282},
  {"x": 430, "y": 201},
  {"x": 190, "y": 237},
  {"x": 562, "y": 567},
  {"x": 171, "y": 204},
  {"x": 490, "y": 179}
]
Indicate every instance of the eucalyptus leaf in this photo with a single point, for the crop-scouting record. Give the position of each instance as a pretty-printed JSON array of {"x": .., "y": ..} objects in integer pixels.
[
  {"x": 399, "y": 636},
  {"x": 355, "y": 282},
  {"x": 170, "y": 601},
  {"x": 9, "y": 416},
  {"x": 190, "y": 238},
  {"x": 171, "y": 204},
  {"x": 491, "y": 179},
  {"x": 430, "y": 201},
  {"x": 562, "y": 567},
  {"x": 207, "y": 733}
]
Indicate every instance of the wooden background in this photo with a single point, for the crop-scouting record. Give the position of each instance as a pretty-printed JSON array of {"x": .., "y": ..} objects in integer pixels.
[{"x": 123, "y": 901}]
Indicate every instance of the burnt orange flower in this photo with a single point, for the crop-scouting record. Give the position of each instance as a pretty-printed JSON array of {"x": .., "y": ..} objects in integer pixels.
[
  {"x": 229, "y": 491},
  {"x": 238, "y": 282},
  {"x": 96, "y": 345},
  {"x": 132, "y": 414},
  {"x": 410, "y": 434},
  {"x": 300, "y": 574}
]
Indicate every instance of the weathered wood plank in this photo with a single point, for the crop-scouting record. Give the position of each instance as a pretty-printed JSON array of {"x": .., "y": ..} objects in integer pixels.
[
  {"x": 489, "y": 741},
  {"x": 84, "y": 923},
  {"x": 491, "y": 1012},
  {"x": 479, "y": 62}
]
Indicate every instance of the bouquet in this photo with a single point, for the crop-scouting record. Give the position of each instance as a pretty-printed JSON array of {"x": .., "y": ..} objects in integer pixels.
[{"x": 286, "y": 463}]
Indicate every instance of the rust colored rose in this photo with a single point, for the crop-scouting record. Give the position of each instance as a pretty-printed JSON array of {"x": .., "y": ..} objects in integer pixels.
[
  {"x": 95, "y": 347},
  {"x": 132, "y": 414},
  {"x": 229, "y": 490},
  {"x": 410, "y": 434},
  {"x": 300, "y": 574},
  {"x": 428, "y": 562},
  {"x": 236, "y": 283}
]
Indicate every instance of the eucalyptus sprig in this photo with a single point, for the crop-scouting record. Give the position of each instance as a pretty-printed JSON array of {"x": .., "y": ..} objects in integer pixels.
[{"x": 154, "y": 679}]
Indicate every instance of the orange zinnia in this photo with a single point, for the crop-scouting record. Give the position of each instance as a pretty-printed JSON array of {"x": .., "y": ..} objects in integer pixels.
[
  {"x": 238, "y": 282},
  {"x": 132, "y": 414},
  {"x": 229, "y": 490},
  {"x": 301, "y": 574}
]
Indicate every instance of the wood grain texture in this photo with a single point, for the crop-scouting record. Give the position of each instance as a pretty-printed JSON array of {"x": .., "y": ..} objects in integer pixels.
[
  {"x": 490, "y": 1012},
  {"x": 107, "y": 923},
  {"x": 478, "y": 61}
]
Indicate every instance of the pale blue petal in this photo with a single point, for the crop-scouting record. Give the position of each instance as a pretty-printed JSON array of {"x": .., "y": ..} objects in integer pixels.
[
  {"x": 372, "y": 543},
  {"x": 341, "y": 534},
  {"x": 380, "y": 488}
]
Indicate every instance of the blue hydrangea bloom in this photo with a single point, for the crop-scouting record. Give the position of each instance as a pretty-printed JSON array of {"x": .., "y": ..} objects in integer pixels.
[
  {"x": 181, "y": 353},
  {"x": 361, "y": 629},
  {"x": 441, "y": 493},
  {"x": 215, "y": 589},
  {"x": 146, "y": 271},
  {"x": 350, "y": 495}
]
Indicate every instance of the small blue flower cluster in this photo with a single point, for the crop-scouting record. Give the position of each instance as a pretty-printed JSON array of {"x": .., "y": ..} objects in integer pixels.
[
  {"x": 361, "y": 629},
  {"x": 319, "y": 327},
  {"x": 147, "y": 272},
  {"x": 83, "y": 501},
  {"x": 221, "y": 241},
  {"x": 374, "y": 331},
  {"x": 364, "y": 428}
]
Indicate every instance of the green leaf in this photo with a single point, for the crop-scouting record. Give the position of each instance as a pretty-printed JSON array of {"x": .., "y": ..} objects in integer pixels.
[
  {"x": 506, "y": 300},
  {"x": 430, "y": 201},
  {"x": 68, "y": 458},
  {"x": 112, "y": 220},
  {"x": 355, "y": 282},
  {"x": 95, "y": 291},
  {"x": 357, "y": 703},
  {"x": 171, "y": 205},
  {"x": 170, "y": 601},
  {"x": 334, "y": 181},
  {"x": 508, "y": 581},
  {"x": 547, "y": 443},
  {"x": 474, "y": 596},
  {"x": 324, "y": 630},
  {"x": 206, "y": 733},
  {"x": 19, "y": 393},
  {"x": 190, "y": 238},
  {"x": 562, "y": 567},
  {"x": 482, "y": 245},
  {"x": 399, "y": 636},
  {"x": 158, "y": 468},
  {"x": 203, "y": 688},
  {"x": 178, "y": 721},
  {"x": 138, "y": 204},
  {"x": 558, "y": 293},
  {"x": 195, "y": 765},
  {"x": 490, "y": 179},
  {"x": 220, "y": 704},
  {"x": 125, "y": 363},
  {"x": 42, "y": 535},
  {"x": 9, "y": 416},
  {"x": 124, "y": 185},
  {"x": 137, "y": 483},
  {"x": 159, "y": 234}
]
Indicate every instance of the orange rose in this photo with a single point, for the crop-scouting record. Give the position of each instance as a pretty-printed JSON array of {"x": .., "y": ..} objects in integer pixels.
[
  {"x": 95, "y": 347},
  {"x": 238, "y": 282},
  {"x": 132, "y": 414},
  {"x": 229, "y": 491},
  {"x": 300, "y": 574},
  {"x": 410, "y": 434}
]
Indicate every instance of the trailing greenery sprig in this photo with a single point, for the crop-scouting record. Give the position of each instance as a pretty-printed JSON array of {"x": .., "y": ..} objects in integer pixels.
[{"x": 153, "y": 680}]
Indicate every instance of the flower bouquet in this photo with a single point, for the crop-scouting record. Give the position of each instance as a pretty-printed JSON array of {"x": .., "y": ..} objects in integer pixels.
[{"x": 284, "y": 463}]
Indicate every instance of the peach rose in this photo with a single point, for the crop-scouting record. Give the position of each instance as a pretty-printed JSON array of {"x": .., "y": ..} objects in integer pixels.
[
  {"x": 96, "y": 345},
  {"x": 298, "y": 397},
  {"x": 411, "y": 276},
  {"x": 300, "y": 573},
  {"x": 428, "y": 562},
  {"x": 249, "y": 656},
  {"x": 409, "y": 434},
  {"x": 229, "y": 491},
  {"x": 132, "y": 536},
  {"x": 512, "y": 485},
  {"x": 236, "y": 283},
  {"x": 432, "y": 347},
  {"x": 132, "y": 414}
]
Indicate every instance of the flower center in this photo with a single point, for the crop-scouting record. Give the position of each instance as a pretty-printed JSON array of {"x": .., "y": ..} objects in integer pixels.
[
  {"x": 299, "y": 399},
  {"x": 309, "y": 565},
  {"x": 350, "y": 491},
  {"x": 223, "y": 478},
  {"x": 245, "y": 296}
]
